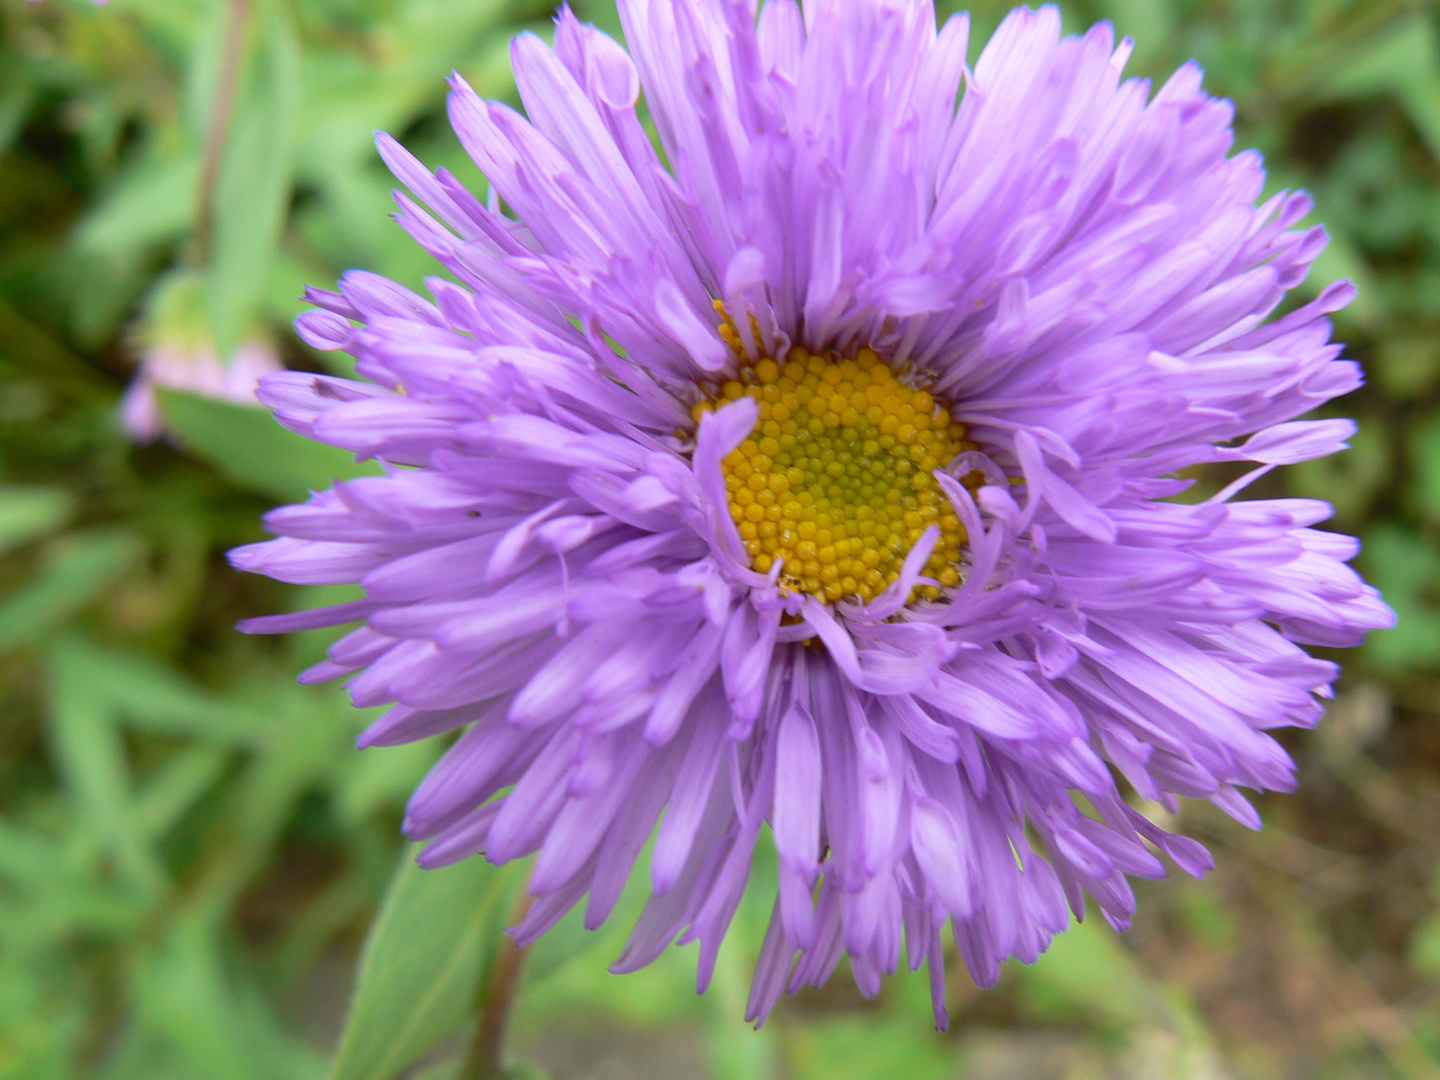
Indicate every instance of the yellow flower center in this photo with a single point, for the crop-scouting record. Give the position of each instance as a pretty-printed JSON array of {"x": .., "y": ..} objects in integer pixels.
[{"x": 836, "y": 478}]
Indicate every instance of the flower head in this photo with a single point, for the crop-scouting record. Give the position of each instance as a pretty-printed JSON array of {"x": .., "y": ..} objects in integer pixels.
[
  {"x": 178, "y": 352},
  {"x": 818, "y": 476}
]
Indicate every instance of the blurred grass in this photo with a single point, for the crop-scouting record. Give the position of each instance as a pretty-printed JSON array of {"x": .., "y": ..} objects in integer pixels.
[{"x": 190, "y": 850}]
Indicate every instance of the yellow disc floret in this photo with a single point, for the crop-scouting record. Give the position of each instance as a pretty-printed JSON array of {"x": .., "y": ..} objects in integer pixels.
[{"x": 836, "y": 477}]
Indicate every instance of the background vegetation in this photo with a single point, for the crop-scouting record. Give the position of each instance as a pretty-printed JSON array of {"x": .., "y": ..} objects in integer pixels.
[{"x": 191, "y": 852}]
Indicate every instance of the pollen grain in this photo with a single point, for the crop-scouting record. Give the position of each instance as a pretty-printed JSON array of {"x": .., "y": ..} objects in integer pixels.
[{"x": 837, "y": 477}]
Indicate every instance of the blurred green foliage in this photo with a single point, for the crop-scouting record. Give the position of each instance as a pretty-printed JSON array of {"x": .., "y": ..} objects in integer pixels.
[{"x": 191, "y": 851}]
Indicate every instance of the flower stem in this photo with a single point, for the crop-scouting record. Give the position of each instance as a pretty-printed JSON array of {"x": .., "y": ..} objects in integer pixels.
[
  {"x": 483, "y": 1061},
  {"x": 217, "y": 128}
]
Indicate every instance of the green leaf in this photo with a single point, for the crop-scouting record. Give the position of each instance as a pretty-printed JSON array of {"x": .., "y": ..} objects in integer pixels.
[
  {"x": 178, "y": 783},
  {"x": 449, "y": 1070},
  {"x": 26, "y": 854},
  {"x": 92, "y": 759},
  {"x": 857, "y": 1047},
  {"x": 421, "y": 970},
  {"x": 28, "y": 347},
  {"x": 253, "y": 451},
  {"x": 80, "y": 567},
  {"x": 1405, "y": 568},
  {"x": 215, "y": 1017},
  {"x": 151, "y": 203},
  {"x": 252, "y": 193},
  {"x": 381, "y": 777},
  {"x": 1425, "y": 453},
  {"x": 180, "y": 992},
  {"x": 59, "y": 896},
  {"x": 155, "y": 698},
  {"x": 1087, "y": 971},
  {"x": 1403, "y": 61},
  {"x": 17, "y": 97},
  {"x": 746, "y": 1053},
  {"x": 1424, "y": 946},
  {"x": 26, "y": 513},
  {"x": 1407, "y": 365}
]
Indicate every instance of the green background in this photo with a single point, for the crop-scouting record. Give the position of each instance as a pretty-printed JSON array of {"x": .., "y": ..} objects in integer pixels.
[{"x": 191, "y": 851}]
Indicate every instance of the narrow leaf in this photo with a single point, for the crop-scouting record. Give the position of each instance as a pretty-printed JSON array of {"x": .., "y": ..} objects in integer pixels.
[
  {"x": 421, "y": 970},
  {"x": 152, "y": 202},
  {"x": 79, "y": 569},
  {"x": 91, "y": 757},
  {"x": 26, "y": 513},
  {"x": 156, "y": 698},
  {"x": 253, "y": 451}
]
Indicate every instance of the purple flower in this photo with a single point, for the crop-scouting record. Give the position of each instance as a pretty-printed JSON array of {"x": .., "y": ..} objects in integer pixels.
[
  {"x": 178, "y": 352},
  {"x": 818, "y": 475},
  {"x": 196, "y": 369}
]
